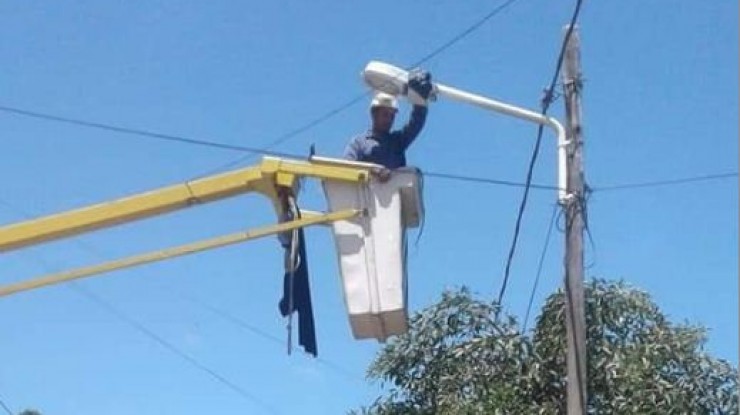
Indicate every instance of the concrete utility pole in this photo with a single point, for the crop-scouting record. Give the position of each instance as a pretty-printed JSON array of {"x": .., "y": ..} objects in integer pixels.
[{"x": 575, "y": 319}]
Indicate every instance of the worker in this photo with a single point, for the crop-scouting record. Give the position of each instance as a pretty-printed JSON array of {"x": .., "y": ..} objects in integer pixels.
[{"x": 379, "y": 144}]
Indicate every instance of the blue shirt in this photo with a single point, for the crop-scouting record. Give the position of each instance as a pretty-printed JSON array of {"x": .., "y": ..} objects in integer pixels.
[{"x": 388, "y": 150}]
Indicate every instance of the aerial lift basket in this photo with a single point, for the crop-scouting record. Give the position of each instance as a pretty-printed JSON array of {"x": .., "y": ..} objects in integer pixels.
[{"x": 372, "y": 249}]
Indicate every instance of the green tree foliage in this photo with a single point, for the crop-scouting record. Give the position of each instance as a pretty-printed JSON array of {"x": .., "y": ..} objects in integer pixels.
[{"x": 464, "y": 356}]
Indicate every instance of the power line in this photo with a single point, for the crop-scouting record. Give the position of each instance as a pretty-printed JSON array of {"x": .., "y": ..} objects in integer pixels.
[
  {"x": 539, "y": 267},
  {"x": 264, "y": 151},
  {"x": 213, "y": 309},
  {"x": 241, "y": 323},
  {"x": 540, "y": 263},
  {"x": 150, "y": 334},
  {"x": 331, "y": 113},
  {"x": 5, "y": 407},
  {"x": 280, "y": 139},
  {"x": 669, "y": 182},
  {"x": 520, "y": 214},
  {"x": 547, "y": 100},
  {"x": 470, "y": 29},
  {"x": 227, "y": 316},
  {"x": 214, "y": 144},
  {"x": 138, "y": 132},
  {"x": 172, "y": 348},
  {"x": 485, "y": 180}
]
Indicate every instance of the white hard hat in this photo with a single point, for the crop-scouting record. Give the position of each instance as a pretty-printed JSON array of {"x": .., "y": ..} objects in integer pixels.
[{"x": 381, "y": 99}]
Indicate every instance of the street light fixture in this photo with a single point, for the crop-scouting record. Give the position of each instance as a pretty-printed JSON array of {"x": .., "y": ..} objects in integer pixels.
[{"x": 393, "y": 80}]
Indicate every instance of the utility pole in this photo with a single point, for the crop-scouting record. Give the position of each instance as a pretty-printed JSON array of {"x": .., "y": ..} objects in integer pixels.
[{"x": 575, "y": 319}]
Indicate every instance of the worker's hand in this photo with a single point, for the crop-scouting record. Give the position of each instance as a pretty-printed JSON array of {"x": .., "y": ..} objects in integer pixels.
[
  {"x": 420, "y": 86},
  {"x": 381, "y": 173}
]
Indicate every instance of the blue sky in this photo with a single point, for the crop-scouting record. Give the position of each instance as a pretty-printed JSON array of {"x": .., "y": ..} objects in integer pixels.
[{"x": 660, "y": 102}]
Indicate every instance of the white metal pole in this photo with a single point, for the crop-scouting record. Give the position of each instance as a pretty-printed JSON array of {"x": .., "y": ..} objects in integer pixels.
[{"x": 521, "y": 113}]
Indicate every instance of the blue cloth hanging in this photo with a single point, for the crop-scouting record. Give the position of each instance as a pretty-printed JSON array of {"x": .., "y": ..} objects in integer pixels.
[{"x": 301, "y": 298}]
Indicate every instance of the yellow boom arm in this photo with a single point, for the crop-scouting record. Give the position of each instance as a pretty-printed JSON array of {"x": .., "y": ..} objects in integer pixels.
[{"x": 267, "y": 178}]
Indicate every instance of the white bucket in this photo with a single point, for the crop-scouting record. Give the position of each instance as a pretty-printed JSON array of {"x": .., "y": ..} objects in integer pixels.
[{"x": 371, "y": 250}]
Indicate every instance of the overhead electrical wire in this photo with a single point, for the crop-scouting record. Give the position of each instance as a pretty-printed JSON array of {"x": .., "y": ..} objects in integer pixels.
[
  {"x": 527, "y": 185},
  {"x": 661, "y": 183},
  {"x": 470, "y": 29},
  {"x": 331, "y": 113},
  {"x": 541, "y": 261},
  {"x": 213, "y": 309},
  {"x": 5, "y": 407},
  {"x": 547, "y": 100},
  {"x": 142, "y": 329},
  {"x": 172, "y": 348},
  {"x": 439, "y": 175},
  {"x": 138, "y": 132},
  {"x": 241, "y": 323},
  {"x": 484, "y": 180},
  {"x": 214, "y": 144},
  {"x": 305, "y": 127},
  {"x": 284, "y": 137},
  {"x": 265, "y": 151},
  {"x": 280, "y": 139}
]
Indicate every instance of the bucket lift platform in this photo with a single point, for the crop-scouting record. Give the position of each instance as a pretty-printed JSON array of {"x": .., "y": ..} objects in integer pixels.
[
  {"x": 372, "y": 249},
  {"x": 368, "y": 218}
]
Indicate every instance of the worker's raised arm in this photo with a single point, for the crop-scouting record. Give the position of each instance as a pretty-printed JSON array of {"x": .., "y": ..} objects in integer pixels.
[
  {"x": 419, "y": 88},
  {"x": 411, "y": 130}
]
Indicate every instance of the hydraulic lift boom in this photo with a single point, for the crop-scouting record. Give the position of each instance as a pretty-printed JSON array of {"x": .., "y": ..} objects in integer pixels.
[{"x": 273, "y": 177}]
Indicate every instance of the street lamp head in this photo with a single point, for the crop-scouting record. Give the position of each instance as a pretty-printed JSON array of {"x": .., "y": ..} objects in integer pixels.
[
  {"x": 385, "y": 77},
  {"x": 393, "y": 80}
]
